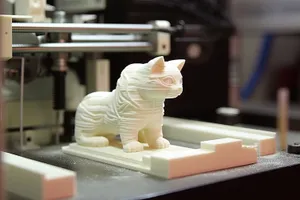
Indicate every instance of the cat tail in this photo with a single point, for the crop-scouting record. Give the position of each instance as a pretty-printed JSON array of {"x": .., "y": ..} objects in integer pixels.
[{"x": 93, "y": 141}]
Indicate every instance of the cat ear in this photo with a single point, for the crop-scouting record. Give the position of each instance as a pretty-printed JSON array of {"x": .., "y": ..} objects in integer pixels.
[
  {"x": 179, "y": 63},
  {"x": 157, "y": 65}
]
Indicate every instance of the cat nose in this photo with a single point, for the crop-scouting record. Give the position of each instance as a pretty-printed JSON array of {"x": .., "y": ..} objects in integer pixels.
[{"x": 179, "y": 90}]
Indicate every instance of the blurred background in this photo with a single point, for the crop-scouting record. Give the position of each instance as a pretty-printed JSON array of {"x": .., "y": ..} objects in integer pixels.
[{"x": 265, "y": 57}]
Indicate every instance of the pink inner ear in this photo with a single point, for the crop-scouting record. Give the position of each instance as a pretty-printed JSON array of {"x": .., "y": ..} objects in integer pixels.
[
  {"x": 180, "y": 66},
  {"x": 157, "y": 69},
  {"x": 177, "y": 63},
  {"x": 158, "y": 66}
]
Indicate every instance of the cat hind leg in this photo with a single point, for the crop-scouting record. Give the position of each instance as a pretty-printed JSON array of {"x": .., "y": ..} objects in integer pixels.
[{"x": 155, "y": 139}]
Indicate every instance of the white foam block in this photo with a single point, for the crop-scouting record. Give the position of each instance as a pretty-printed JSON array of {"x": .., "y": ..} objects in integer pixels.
[
  {"x": 36, "y": 180},
  {"x": 192, "y": 131},
  {"x": 174, "y": 161}
]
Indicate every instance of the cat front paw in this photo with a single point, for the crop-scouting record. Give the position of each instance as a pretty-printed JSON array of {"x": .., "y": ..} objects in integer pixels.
[
  {"x": 161, "y": 143},
  {"x": 133, "y": 146}
]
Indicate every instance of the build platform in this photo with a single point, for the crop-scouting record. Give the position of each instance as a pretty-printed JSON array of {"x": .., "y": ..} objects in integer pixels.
[
  {"x": 271, "y": 175},
  {"x": 221, "y": 147}
]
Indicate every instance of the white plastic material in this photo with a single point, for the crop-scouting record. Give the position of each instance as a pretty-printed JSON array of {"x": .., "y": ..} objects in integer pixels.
[
  {"x": 5, "y": 37},
  {"x": 6, "y": 34},
  {"x": 31, "y": 179},
  {"x": 175, "y": 161},
  {"x": 135, "y": 107},
  {"x": 34, "y": 8},
  {"x": 161, "y": 41},
  {"x": 192, "y": 131}
]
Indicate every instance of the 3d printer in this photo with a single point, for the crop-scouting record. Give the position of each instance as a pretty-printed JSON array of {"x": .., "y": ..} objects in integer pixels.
[
  {"x": 62, "y": 48},
  {"x": 58, "y": 51}
]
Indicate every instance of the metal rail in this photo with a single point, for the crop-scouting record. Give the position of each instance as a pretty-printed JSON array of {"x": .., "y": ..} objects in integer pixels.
[
  {"x": 84, "y": 47},
  {"x": 81, "y": 28},
  {"x": 105, "y": 38}
]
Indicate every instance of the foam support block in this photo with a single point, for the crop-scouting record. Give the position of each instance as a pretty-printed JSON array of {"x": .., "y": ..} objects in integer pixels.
[
  {"x": 36, "y": 180},
  {"x": 192, "y": 131}
]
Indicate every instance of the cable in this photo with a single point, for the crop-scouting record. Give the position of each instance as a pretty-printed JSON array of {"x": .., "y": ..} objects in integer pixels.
[{"x": 251, "y": 84}]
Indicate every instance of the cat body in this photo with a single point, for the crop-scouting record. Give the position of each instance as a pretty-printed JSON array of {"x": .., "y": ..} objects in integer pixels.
[{"x": 136, "y": 105}]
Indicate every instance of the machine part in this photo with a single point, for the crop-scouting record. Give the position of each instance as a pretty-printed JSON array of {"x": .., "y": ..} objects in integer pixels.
[
  {"x": 33, "y": 69},
  {"x": 19, "y": 170},
  {"x": 228, "y": 116},
  {"x": 294, "y": 148},
  {"x": 58, "y": 114},
  {"x": 59, "y": 17},
  {"x": 4, "y": 22},
  {"x": 8, "y": 7},
  {"x": 24, "y": 143},
  {"x": 39, "y": 124},
  {"x": 36, "y": 137},
  {"x": 105, "y": 38},
  {"x": 59, "y": 99},
  {"x": 60, "y": 61},
  {"x": 75, "y": 90},
  {"x": 79, "y": 6},
  {"x": 85, "y": 47},
  {"x": 23, "y": 140},
  {"x": 59, "y": 90},
  {"x": 28, "y": 38},
  {"x": 195, "y": 44},
  {"x": 59, "y": 70},
  {"x": 283, "y": 104},
  {"x": 161, "y": 41},
  {"x": 85, "y": 28},
  {"x": 97, "y": 75},
  {"x": 265, "y": 115},
  {"x": 5, "y": 37},
  {"x": 69, "y": 126},
  {"x": 34, "y": 8}
]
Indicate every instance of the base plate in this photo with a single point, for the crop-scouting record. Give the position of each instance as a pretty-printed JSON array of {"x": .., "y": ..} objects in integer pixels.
[{"x": 175, "y": 161}]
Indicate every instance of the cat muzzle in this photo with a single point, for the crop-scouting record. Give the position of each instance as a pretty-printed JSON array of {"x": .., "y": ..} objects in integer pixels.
[{"x": 174, "y": 93}]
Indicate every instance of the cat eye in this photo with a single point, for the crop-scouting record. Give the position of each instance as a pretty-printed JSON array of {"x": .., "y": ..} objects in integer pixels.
[{"x": 168, "y": 81}]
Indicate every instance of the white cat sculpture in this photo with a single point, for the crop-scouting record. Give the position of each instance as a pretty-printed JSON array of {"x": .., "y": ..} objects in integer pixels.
[{"x": 135, "y": 106}]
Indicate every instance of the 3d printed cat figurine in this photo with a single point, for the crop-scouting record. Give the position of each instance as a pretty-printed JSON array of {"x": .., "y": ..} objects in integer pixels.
[{"x": 135, "y": 106}]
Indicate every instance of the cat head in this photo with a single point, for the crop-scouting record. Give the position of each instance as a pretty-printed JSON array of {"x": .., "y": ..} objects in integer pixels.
[{"x": 162, "y": 79}]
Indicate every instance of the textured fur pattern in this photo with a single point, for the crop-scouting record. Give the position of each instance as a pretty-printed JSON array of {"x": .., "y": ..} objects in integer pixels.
[{"x": 135, "y": 106}]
